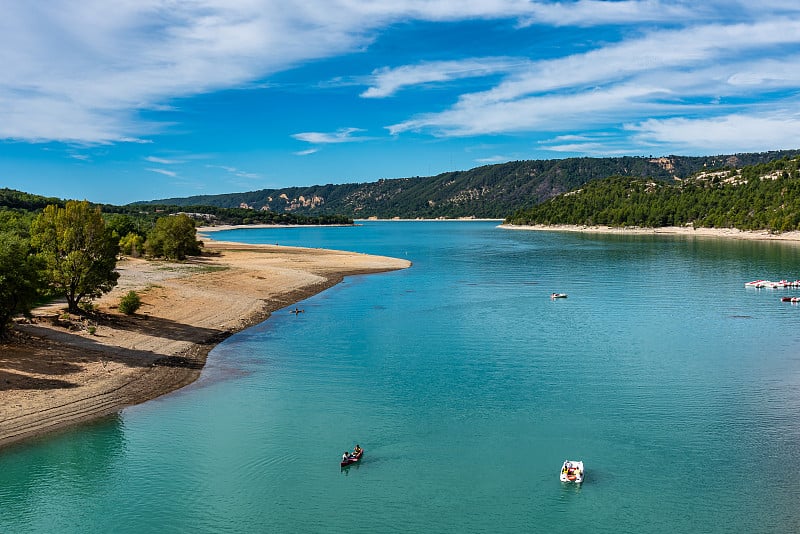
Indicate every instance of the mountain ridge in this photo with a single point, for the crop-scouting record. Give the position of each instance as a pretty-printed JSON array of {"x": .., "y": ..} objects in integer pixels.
[{"x": 489, "y": 191}]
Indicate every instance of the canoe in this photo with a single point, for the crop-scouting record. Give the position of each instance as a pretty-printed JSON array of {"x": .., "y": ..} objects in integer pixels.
[{"x": 352, "y": 459}]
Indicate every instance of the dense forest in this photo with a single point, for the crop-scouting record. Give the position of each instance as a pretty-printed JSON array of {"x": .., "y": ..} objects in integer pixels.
[
  {"x": 491, "y": 191},
  {"x": 763, "y": 196}
]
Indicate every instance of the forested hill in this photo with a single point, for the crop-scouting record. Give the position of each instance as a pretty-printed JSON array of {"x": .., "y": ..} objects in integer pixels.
[
  {"x": 765, "y": 196},
  {"x": 492, "y": 191},
  {"x": 21, "y": 205}
]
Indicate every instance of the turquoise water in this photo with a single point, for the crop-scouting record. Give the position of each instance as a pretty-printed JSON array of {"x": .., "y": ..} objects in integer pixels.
[{"x": 467, "y": 387}]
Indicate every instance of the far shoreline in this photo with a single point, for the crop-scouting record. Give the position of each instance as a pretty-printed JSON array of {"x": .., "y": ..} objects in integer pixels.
[
  {"x": 205, "y": 230},
  {"x": 725, "y": 233}
]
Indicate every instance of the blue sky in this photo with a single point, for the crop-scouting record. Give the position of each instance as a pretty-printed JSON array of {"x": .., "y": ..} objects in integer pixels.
[{"x": 145, "y": 99}]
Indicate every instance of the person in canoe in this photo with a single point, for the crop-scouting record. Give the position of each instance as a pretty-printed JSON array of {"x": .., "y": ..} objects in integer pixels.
[
  {"x": 346, "y": 456},
  {"x": 357, "y": 450}
]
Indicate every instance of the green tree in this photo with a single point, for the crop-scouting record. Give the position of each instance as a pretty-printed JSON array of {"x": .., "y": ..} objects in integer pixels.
[
  {"x": 173, "y": 237},
  {"x": 121, "y": 224},
  {"x": 20, "y": 278},
  {"x": 132, "y": 245},
  {"x": 79, "y": 252}
]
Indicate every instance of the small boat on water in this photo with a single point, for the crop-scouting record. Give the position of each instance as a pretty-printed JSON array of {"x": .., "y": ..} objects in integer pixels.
[
  {"x": 558, "y": 296},
  {"x": 767, "y": 284},
  {"x": 572, "y": 471},
  {"x": 790, "y": 299},
  {"x": 352, "y": 458}
]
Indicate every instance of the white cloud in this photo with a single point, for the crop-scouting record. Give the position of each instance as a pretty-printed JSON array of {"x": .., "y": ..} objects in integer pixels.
[
  {"x": 306, "y": 152},
  {"x": 164, "y": 172},
  {"x": 595, "y": 144},
  {"x": 492, "y": 159},
  {"x": 82, "y": 72},
  {"x": 737, "y": 133},
  {"x": 540, "y": 113},
  {"x": 387, "y": 81},
  {"x": 343, "y": 135},
  {"x": 235, "y": 171},
  {"x": 593, "y": 12},
  {"x": 660, "y": 52},
  {"x": 662, "y": 74},
  {"x": 85, "y": 73},
  {"x": 162, "y": 161}
]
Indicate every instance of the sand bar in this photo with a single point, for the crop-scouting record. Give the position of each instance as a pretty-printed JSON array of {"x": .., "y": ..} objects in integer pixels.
[
  {"x": 728, "y": 233},
  {"x": 57, "y": 373}
]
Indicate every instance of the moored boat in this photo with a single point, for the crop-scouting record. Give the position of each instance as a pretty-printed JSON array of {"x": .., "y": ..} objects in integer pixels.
[
  {"x": 767, "y": 284},
  {"x": 558, "y": 296},
  {"x": 572, "y": 471}
]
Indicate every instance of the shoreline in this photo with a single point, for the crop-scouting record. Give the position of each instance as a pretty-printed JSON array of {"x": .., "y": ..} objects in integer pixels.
[
  {"x": 726, "y": 233},
  {"x": 62, "y": 372},
  {"x": 205, "y": 230}
]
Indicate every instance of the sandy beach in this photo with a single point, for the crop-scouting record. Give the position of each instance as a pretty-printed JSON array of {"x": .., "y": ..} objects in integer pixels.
[
  {"x": 727, "y": 233},
  {"x": 60, "y": 370}
]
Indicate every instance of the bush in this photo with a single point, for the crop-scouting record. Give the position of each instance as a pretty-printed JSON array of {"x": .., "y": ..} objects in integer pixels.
[{"x": 130, "y": 303}]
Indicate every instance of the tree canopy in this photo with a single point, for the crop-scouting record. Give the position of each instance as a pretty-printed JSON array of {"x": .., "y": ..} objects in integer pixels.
[
  {"x": 173, "y": 237},
  {"x": 79, "y": 252},
  {"x": 20, "y": 278}
]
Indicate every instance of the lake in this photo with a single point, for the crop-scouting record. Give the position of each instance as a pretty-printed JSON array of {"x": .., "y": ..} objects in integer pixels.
[{"x": 467, "y": 387}]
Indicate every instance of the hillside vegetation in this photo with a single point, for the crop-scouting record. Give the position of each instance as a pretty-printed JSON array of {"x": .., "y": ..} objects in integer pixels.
[
  {"x": 491, "y": 191},
  {"x": 764, "y": 196}
]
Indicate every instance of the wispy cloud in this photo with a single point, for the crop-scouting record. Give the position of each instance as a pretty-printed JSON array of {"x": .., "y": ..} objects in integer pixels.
[
  {"x": 387, "y": 81},
  {"x": 83, "y": 72},
  {"x": 343, "y": 135},
  {"x": 86, "y": 74},
  {"x": 306, "y": 152},
  {"x": 594, "y": 12},
  {"x": 738, "y": 133},
  {"x": 235, "y": 171},
  {"x": 161, "y": 161},
  {"x": 165, "y": 172},
  {"x": 492, "y": 159},
  {"x": 598, "y": 144},
  {"x": 713, "y": 70}
]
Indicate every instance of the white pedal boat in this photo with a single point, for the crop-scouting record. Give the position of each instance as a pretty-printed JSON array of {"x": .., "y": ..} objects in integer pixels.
[{"x": 572, "y": 471}]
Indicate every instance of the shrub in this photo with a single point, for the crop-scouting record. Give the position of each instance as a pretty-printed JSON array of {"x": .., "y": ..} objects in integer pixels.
[
  {"x": 88, "y": 307},
  {"x": 130, "y": 303}
]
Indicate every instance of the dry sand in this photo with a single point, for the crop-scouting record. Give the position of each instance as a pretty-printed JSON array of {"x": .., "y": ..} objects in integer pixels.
[{"x": 56, "y": 373}]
